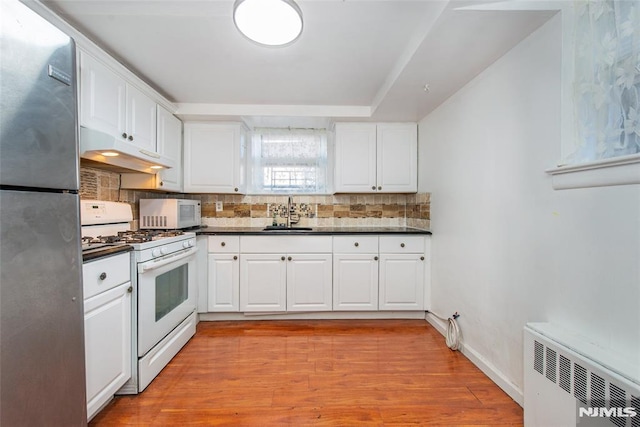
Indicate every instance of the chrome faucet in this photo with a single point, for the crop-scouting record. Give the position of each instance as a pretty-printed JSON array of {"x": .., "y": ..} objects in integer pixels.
[{"x": 292, "y": 217}]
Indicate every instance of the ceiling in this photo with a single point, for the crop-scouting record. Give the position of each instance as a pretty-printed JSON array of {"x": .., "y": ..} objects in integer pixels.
[{"x": 356, "y": 59}]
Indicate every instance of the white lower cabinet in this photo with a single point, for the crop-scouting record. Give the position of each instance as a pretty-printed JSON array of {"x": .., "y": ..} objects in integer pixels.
[
  {"x": 288, "y": 282},
  {"x": 355, "y": 273},
  {"x": 107, "y": 328},
  {"x": 402, "y": 272},
  {"x": 263, "y": 282},
  {"x": 223, "y": 277},
  {"x": 224, "y": 282},
  {"x": 265, "y": 274},
  {"x": 355, "y": 282},
  {"x": 285, "y": 273},
  {"x": 309, "y": 282}
]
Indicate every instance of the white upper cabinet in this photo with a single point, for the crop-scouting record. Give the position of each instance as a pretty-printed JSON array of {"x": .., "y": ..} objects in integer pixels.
[
  {"x": 102, "y": 97},
  {"x": 355, "y": 158},
  {"x": 397, "y": 150},
  {"x": 381, "y": 158},
  {"x": 214, "y": 158},
  {"x": 169, "y": 144},
  {"x": 111, "y": 105},
  {"x": 141, "y": 119}
]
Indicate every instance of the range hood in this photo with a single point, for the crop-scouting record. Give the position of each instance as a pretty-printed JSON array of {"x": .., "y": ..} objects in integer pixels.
[{"x": 121, "y": 156}]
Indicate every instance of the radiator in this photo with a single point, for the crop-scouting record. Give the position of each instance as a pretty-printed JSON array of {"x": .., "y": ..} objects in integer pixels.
[{"x": 571, "y": 382}]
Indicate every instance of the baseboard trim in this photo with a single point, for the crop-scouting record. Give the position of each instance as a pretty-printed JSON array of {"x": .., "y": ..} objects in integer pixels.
[
  {"x": 489, "y": 370},
  {"x": 327, "y": 315}
]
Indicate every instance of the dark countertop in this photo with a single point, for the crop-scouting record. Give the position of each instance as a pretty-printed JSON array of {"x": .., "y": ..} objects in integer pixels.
[
  {"x": 94, "y": 254},
  {"x": 316, "y": 231}
]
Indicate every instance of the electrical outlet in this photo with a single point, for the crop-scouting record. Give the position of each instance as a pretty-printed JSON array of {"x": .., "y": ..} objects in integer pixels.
[{"x": 219, "y": 206}]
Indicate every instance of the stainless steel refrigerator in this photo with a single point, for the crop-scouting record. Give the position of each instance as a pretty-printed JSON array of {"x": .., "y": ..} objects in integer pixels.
[{"x": 42, "y": 371}]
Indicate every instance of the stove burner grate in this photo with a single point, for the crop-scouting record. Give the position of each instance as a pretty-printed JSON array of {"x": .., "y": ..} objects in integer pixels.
[{"x": 139, "y": 236}]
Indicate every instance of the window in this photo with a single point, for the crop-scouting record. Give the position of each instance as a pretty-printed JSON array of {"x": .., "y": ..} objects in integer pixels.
[
  {"x": 288, "y": 161},
  {"x": 601, "y": 95},
  {"x": 606, "y": 80}
]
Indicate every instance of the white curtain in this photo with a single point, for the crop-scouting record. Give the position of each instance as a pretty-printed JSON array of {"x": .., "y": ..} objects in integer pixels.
[
  {"x": 287, "y": 161},
  {"x": 606, "y": 79}
]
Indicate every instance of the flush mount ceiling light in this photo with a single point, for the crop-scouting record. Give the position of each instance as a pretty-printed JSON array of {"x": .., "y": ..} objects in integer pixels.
[{"x": 268, "y": 22}]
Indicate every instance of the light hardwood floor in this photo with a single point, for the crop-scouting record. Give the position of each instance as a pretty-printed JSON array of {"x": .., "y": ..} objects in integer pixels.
[{"x": 316, "y": 373}]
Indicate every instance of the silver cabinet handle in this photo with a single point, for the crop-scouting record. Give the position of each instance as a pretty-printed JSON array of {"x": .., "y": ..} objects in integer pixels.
[
  {"x": 402, "y": 245},
  {"x": 373, "y": 187},
  {"x": 356, "y": 244},
  {"x": 124, "y": 135},
  {"x": 103, "y": 276},
  {"x": 130, "y": 289},
  {"x": 379, "y": 188},
  {"x": 130, "y": 138}
]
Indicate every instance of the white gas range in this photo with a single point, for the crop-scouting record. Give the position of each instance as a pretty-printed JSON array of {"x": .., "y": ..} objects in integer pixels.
[{"x": 164, "y": 302}]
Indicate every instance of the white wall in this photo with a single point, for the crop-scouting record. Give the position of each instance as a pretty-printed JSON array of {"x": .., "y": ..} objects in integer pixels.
[{"x": 507, "y": 248}]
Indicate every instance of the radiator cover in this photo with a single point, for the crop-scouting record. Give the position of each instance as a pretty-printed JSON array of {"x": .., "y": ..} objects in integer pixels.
[{"x": 563, "y": 373}]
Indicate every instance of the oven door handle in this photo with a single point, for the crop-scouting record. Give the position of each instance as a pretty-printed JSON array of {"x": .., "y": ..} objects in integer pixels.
[{"x": 148, "y": 266}]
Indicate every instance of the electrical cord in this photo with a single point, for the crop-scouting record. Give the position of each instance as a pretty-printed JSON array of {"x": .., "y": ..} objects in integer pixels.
[{"x": 453, "y": 331}]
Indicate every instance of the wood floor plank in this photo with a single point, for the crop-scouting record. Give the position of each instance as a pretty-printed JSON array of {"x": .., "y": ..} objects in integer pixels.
[{"x": 319, "y": 373}]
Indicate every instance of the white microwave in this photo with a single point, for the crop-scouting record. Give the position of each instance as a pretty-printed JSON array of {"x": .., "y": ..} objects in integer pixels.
[{"x": 169, "y": 214}]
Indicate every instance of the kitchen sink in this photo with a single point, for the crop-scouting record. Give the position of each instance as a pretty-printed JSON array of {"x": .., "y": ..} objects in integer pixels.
[{"x": 273, "y": 228}]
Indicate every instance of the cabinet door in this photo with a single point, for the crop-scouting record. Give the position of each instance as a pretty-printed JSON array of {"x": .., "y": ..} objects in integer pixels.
[
  {"x": 212, "y": 158},
  {"x": 224, "y": 283},
  {"x": 401, "y": 282},
  {"x": 141, "y": 119},
  {"x": 355, "y": 282},
  {"x": 397, "y": 150},
  {"x": 102, "y": 97},
  {"x": 169, "y": 143},
  {"x": 263, "y": 282},
  {"x": 107, "y": 334},
  {"x": 355, "y": 158},
  {"x": 309, "y": 282}
]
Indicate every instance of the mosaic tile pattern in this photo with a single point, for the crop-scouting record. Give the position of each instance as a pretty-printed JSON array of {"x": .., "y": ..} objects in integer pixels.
[{"x": 96, "y": 184}]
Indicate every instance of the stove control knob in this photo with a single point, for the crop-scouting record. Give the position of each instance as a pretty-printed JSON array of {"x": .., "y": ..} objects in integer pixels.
[
  {"x": 163, "y": 251},
  {"x": 187, "y": 244},
  {"x": 156, "y": 253}
]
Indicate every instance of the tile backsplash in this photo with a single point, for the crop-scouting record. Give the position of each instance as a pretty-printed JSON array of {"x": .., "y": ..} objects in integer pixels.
[
  {"x": 351, "y": 210},
  {"x": 319, "y": 211}
]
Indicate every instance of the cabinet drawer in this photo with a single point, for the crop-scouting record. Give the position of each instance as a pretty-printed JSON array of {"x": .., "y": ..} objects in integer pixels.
[
  {"x": 355, "y": 244},
  {"x": 285, "y": 244},
  {"x": 224, "y": 244},
  {"x": 402, "y": 244},
  {"x": 105, "y": 273}
]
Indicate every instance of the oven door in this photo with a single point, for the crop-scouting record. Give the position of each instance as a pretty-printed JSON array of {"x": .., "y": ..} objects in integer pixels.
[{"x": 166, "y": 296}]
